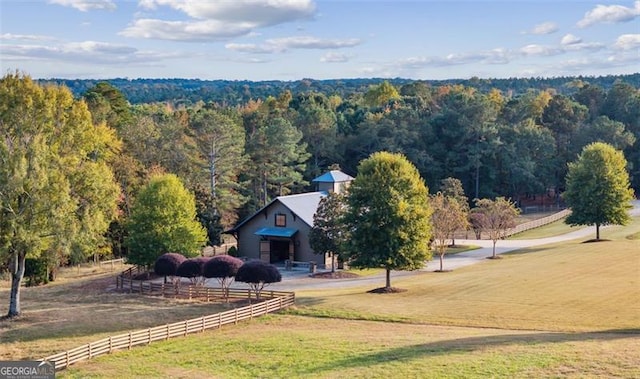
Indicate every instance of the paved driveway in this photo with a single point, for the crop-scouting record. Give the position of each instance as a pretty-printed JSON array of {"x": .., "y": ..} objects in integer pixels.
[{"x": 299, "y": 279}]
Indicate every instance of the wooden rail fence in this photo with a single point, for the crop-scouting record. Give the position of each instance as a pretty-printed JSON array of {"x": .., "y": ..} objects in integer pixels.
[
  {"x": 537, "y": 223},
  {"x": 278, "y": 300}
]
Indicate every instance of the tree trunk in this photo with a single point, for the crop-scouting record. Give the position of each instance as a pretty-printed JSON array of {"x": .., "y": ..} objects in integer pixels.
[
  {"x": 388, "y": 279},
  {"x": 334, "y": 261},
  {"x": 494, "y": 248},
  {"x": 17, "y": 273},
  {"x": 597, "y": 231},
  {"x": 441, "y": 258}
]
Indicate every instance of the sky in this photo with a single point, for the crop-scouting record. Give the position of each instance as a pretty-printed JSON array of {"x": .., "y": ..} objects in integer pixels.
[{"x": 318, "y": 39}]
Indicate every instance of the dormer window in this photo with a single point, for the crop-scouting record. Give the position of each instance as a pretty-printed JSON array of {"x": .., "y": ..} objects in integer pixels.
[{"x": 281, "y": 219}]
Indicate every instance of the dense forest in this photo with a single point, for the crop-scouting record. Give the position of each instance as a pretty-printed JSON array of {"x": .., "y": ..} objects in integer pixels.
[
  {"x": 238, "y": 92},
  {"x": 511, "y": 140}
]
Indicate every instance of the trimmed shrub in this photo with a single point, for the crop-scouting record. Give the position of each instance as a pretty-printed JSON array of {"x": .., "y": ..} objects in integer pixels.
[
  {"x": 224, "y": 268},
  {"x": 258, "y": 274},
  {"x": 192, "y": 268},
  {"x": 167, "y": 264}
]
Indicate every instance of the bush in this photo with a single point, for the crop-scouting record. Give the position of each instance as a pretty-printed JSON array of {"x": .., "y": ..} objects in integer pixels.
[
  {"x": 167, "y": 264},
  {"x": 233, "y": 251},
  {"x": 35, "y": 270},
  {"x": 224, "y": 268},
  {"x": 192, "y": 268},
  {"x": 258, "y": 274}
]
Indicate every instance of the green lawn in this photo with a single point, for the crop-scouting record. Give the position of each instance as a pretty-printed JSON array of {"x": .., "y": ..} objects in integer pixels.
[
  {"x": 570, "y": 287},
  {"x": 571, "y": 309},
  {"x": 284, "y": 346}
]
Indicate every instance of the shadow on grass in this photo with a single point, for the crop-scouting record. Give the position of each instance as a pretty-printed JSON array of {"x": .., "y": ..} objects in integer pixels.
[{"x": 466, "y": 345}]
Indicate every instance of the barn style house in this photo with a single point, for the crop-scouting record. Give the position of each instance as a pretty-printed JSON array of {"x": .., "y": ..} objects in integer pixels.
[{"x": 280, "y": 231}]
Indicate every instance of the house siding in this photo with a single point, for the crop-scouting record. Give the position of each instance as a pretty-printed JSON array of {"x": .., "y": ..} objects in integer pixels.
[{"x": 249, "y": 242}]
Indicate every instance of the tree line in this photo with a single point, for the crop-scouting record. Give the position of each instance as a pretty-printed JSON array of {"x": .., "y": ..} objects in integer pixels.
[
  {"x": 495, "y": 143},
  {"x": 100, "y": 151},
  {"x": 237, "y": 92}
]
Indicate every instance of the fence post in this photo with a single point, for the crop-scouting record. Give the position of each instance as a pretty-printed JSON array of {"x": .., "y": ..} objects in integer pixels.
[
  {"x": 110, "y": 344},
  {"x": 129, "y": 347},
  {"x": 89, "y": 348},
  {"x": 149, "y": 334}
]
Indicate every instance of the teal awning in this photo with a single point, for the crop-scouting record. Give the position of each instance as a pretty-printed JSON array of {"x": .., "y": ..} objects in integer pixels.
[{"x": 276, "y": 232}]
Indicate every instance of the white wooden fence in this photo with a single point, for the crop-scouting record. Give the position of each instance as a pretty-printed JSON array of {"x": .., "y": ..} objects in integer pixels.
[{"x": 537, "y": 223}]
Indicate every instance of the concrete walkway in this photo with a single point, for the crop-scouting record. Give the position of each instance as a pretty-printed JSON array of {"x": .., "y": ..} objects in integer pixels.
[{"x": 300, "y": 280}]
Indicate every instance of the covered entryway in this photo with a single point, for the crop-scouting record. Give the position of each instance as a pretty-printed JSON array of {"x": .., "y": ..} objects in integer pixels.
[{"x": 277, "y": 244}]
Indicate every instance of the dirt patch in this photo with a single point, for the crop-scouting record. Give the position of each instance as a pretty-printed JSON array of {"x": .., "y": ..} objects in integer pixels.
[
  {"x": 596, "y": 240},
  {"x": 387, "y": 290},
  {"x": 335, "y": 275},
  {"x": 496, "y": 257}
]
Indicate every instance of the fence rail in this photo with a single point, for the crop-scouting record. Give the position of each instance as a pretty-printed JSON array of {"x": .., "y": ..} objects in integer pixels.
[
  {"x": 277, "y": 300},
  {"x": 537, "y": 223}
]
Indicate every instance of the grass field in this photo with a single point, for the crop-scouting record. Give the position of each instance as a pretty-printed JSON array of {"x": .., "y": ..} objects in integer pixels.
[
  {"x": 554, "y": 229},
  {"x": 284, "y": 346},
  {"x": 571, "y": 309}
]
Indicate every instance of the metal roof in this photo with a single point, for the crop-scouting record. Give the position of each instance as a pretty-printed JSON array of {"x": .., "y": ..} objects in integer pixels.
[
  {"x": 276, "y": 232},
  {"x": 333, "y": 176},
  {"x": 304, "y": 205}
]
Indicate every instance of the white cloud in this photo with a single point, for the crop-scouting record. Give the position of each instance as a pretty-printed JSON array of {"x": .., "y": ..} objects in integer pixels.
[
  {"x": 24, "y": 37},
  {"x": 494, "y": 56},
  {"x": 544, "y": 28},
  {"x": 213, "y": 20},
  {"x": 279, "y": 45},
  {"x": 609, "y": 14},
  {"x": 593, "y": 46},
  {"x": 86, "y": 5},
  {"x": 185, "y": 30},
  {"x": 250, "y": 48},
  {"x": 333, "y": 57},
  {"x": 540, "y": 50},
  {"x": 306, "y": 42},
  {"x": 627, "y": 42},
  {"x": 87, "y": 51},
  {"x": 570, "y": 39}
]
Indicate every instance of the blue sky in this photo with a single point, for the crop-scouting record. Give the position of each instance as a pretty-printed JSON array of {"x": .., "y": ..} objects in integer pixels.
[{"x": 295, "y": 39}]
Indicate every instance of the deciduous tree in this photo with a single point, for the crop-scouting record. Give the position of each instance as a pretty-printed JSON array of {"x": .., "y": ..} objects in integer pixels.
[
  {"x": 388, "y": 216},
  {"x": 167, "y": 264},
  {"x": 328, "y": 234},
  {"x": 57, "y": 193},
  {"x": 193, "y": 269},
  {"x": 163, "y": 219},
  {"x": 447, "y": 218},
  {"x": 497, "y": 216},
  {"x": 598, "y": 190},
  {"x": 258, "y": 274},
  {"x": 224, "y": 268}
]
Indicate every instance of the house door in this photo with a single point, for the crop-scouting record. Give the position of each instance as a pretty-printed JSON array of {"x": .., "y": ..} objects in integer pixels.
[{"x": 279, "y": 250}]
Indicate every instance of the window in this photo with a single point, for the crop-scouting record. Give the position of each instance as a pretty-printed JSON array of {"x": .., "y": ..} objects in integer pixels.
[{"x": 281, "y": 219}]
